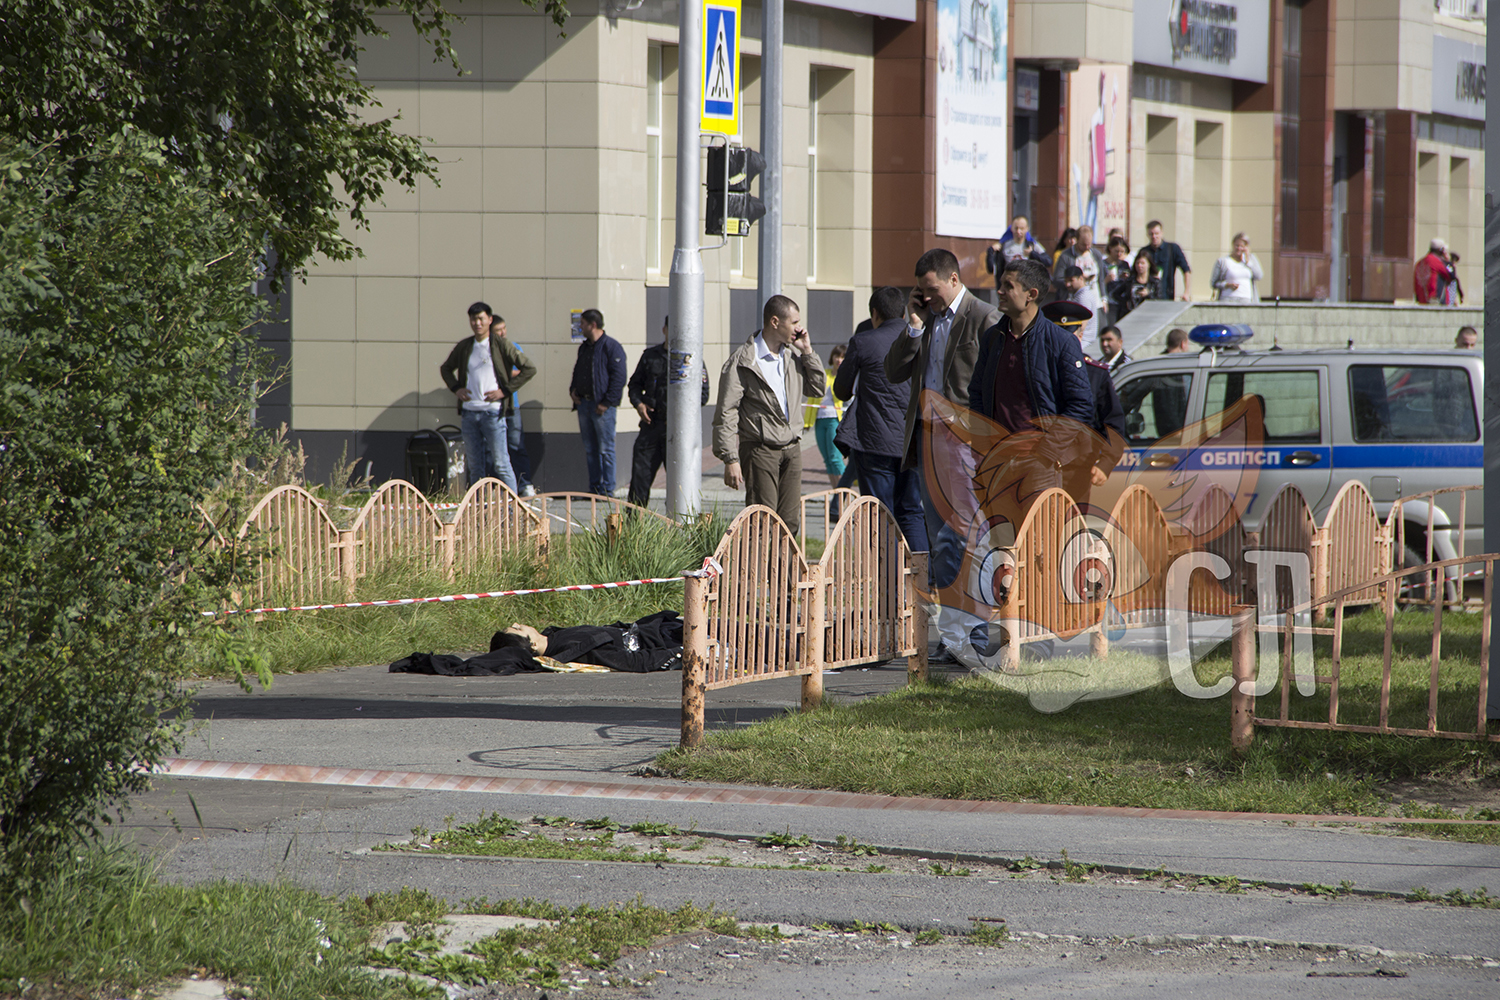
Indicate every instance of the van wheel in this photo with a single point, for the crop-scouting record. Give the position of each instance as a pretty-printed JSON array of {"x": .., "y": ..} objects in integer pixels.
[{"x": 1416, "y": 589}]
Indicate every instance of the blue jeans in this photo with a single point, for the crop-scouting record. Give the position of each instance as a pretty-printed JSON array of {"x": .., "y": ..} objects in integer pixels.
[
  {"x": 485, "y": 448},
  {"x": 901, "y": 492},
  {"x": 520, "y": 462},
  {"x": 598, "y": 433}
]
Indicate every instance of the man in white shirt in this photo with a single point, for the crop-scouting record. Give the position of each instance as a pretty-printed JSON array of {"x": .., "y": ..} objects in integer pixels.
[
  {"x": 761, "y": 389},
  {"x": 479, "y": 373}
]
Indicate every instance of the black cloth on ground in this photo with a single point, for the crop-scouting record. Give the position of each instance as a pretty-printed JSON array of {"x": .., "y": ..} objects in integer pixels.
[{"x": 650, "y": 644}]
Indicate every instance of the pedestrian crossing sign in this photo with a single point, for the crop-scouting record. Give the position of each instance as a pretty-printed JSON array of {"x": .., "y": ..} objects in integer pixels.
[{"x": 720, "y": 110}]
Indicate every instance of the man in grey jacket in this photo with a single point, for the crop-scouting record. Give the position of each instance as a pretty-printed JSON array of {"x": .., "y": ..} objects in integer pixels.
[
  {"x": 761, "y": 389},
  {"x": 938, "y": 353}
]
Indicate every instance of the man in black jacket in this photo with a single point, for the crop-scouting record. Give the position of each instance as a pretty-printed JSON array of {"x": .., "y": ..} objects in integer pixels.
[
  {"x": 880, "y": 417},
  {"x": 648, "y": 394}
]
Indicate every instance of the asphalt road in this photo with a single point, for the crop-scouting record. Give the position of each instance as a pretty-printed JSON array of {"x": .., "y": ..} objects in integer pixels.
[{"x": 593, "y": 731}]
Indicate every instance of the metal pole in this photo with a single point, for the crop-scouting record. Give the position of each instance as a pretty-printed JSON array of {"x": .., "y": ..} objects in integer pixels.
[
  {"x": 685, "y": 338},
  {"x": 768, "y": 275}
]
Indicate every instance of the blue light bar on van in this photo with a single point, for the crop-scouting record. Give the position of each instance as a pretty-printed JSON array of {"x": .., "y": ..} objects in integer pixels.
[{"x": 1220, "y": 334}]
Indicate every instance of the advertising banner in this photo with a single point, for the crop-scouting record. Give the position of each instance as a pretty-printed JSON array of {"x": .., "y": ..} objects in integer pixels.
[
  {"x": 1457, "y": 78},
  {"x": 1218, "y": 37},
  {"x": 973, "y": 118},
  {"x": 1099, "y": 148}
]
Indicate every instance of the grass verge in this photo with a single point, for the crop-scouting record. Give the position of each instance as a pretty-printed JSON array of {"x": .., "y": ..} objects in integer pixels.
[
  {"x": 105, "y": 924},
  {"x": 1157, "y": 749},
  {"x": 296, "y": 641}
]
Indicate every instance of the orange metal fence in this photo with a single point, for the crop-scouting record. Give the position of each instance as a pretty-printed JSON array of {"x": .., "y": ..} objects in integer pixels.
[
  {"x": 1242, "y": 693},
  {"x": 303, "y": 557}
]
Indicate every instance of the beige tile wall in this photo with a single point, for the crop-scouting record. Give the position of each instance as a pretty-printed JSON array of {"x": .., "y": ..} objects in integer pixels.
[
  {"x": 1383, "y": 50},
  {"x": 1097, "y": 31},
  {"x": 540, "y": 208}
]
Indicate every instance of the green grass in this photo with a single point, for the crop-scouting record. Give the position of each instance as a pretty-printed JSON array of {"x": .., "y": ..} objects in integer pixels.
[
  {"x": 310, "y": 640},
  {"x": 1156, "y": 748},
  {"x": 106, "y": 924},
  {"x": 587, "y": 937}
]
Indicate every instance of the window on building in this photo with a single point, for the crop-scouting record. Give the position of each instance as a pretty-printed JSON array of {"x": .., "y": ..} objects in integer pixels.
[
  {"x": 813, "y": 111},
  {"x": 1291, "y": 113},
  {"x": 653, "y": 158}
]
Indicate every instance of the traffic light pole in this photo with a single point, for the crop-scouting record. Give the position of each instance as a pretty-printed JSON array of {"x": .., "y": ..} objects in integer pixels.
[
  {"x": 768, "y": 275},
  {"x": 685, "y": 337}
]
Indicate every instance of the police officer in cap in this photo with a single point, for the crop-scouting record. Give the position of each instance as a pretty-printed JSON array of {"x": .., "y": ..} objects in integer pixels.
[{"x": 1108, "y": 440}]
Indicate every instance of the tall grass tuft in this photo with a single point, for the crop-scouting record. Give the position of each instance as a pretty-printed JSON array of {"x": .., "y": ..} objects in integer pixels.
[
  {"x": 645, "y": 548},
  {"x": 104, "y": 924}
]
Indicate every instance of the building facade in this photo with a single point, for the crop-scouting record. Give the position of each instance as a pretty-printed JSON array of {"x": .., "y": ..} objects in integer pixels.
[{"x": 1340, "y": 135}]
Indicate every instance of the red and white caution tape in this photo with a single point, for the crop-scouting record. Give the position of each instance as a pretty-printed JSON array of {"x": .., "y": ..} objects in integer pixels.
[{"x": 710, "y": 568}]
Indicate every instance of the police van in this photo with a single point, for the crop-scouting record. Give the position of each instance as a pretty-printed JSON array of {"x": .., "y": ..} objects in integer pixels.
[{"x": 1399, "y": 421}]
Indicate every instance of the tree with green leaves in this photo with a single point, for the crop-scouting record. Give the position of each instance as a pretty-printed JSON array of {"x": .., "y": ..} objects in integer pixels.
[
  {"x": 153, "y": 157},
  {"x": 262, "y": 95}
]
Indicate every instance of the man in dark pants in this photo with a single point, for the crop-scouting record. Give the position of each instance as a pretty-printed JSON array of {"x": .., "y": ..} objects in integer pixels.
[
  {"x": 761, "y": 386},
  {"x": 598, "y": 383},
  {"x": 648, "y": 394},
  {"x": 1109, "y": 416},
  {"x": 937, "y": 353},
  {"x": 879, "y": 417}
]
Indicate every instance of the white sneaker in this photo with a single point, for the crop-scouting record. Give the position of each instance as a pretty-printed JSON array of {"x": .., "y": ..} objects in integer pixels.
[{"x": 528, "y": 490}]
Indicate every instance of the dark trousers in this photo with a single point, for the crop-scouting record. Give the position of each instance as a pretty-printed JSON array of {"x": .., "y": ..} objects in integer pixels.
[
  {"x": 647, "y": 459},
  {"x": 881, "y": 477},
  {"x": 773, "y": 476}
]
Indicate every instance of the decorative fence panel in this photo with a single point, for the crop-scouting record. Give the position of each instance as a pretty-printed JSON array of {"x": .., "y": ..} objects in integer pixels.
[
  {"x": 397, "y": 523},
  {"x": 758, "y": 608},
  {"x": 1142, "y": 547},
  {"x": 1352, "y": 546},
  {"x": 1288, "y": 526},
  {"x": 824, "y": 508},
  {"x": 1062, "y": 572},
  {"x": 491, "y": 521},
  {"x": 868, "y": 594},
  {"x": 1215, "y": 527},
  {"x": 569, "y": 512},
  {"x": 303, "y": 558}
]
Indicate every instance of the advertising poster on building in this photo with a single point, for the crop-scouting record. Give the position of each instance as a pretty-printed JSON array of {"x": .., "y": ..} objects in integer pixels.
[
  {"x": 973, "y": 115},
  {"x": 1229, "y": 38},
  {"x": 1098, "y": 148}
]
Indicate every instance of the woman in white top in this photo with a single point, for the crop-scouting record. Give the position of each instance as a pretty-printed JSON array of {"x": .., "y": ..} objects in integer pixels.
[{"x": 1235, "y": 276}]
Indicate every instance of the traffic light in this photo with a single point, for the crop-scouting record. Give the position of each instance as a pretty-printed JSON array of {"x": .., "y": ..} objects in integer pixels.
[{"x": 731, "y": 206}]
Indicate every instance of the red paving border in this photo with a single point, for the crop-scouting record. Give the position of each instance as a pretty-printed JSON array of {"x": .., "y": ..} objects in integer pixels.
[{"x": 179, "y": 767}]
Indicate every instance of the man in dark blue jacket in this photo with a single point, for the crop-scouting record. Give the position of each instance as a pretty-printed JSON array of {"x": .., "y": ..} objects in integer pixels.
[
  {"x": 1029, "y": 369},
  {"x": 598, "y": 383},
  {"x": 879, "y": 417}
]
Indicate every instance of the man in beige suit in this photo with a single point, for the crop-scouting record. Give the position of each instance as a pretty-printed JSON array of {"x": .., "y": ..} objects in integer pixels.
[
  {"x": 944, "y": 322},
  {"x": 758, "y": 422}
]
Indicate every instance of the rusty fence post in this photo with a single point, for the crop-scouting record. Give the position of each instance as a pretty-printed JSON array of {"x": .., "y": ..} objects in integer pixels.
[
  {"x": 446, "y": 543},
  {"x": 348, "y": 568},
  {"x": 817, "y": 611},
  {"x": 694, "y": 656},
  {"x": 1242, "y": 672},
  {"x": 1099, "y": 644},
  {"x": 916, "y": 663},
  {"x": 613, "y": 525}
]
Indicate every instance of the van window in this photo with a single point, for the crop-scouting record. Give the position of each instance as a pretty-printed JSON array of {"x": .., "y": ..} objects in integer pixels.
[
  {"x": 1293, "y": 408},
  {"x": 1155, "y": 406},
  {"x": 1412, "y": 403}
]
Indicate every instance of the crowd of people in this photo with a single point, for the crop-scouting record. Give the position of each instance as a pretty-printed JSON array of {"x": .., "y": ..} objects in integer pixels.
[{"x": 863, "y": 405}]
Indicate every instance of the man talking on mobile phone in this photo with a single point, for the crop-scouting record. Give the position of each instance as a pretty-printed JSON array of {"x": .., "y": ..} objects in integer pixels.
[
  {"x": 761, "y": 389},
  {"x": 938, "y": 352}
]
